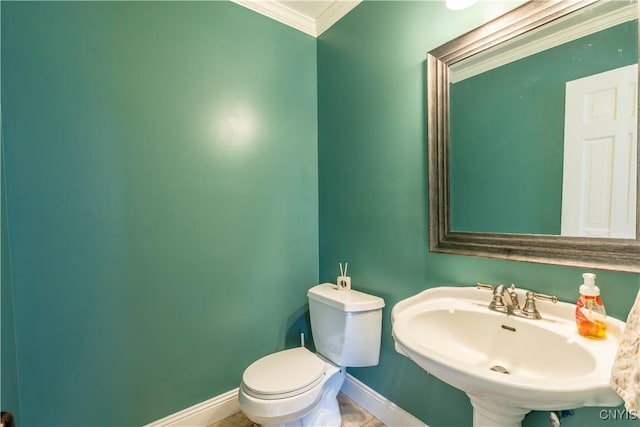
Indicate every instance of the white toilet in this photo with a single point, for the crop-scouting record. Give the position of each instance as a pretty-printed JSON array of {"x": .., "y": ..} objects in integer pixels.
[{"x": 296, "y": 387}]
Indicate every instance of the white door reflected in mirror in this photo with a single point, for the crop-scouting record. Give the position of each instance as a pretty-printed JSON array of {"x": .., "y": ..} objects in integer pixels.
[{"x": 600, "y": 148}]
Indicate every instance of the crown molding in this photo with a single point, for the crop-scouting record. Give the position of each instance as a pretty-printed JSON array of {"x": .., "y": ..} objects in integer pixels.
[
  {"x": 281, "y": 13},
  {"x": 333, "y": 14},
  {"x": 288, "y": 16}
]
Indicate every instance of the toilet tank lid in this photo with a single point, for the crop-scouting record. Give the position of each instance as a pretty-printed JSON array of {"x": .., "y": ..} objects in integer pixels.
[{"x": 351, "y": 300}]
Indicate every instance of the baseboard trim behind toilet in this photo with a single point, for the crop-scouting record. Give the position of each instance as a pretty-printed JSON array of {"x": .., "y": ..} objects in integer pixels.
[
  {"x": 204, "y": 413},
  {"x": 220, "y": 407},
  {"x": 378, "y": 405}
]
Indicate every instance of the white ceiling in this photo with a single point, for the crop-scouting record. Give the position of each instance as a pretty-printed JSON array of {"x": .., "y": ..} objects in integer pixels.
[{"x": 309, "y": 16}]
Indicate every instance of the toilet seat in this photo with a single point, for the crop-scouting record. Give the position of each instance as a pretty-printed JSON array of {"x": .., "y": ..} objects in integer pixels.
[{"x": 284, "y": 374}]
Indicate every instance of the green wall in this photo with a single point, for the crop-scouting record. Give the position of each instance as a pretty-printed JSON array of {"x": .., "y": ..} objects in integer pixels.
[
  {"x": 163, "y": 165},
  {"x": 488, "y": 191},
  {"x": 373, "y": 191},
  {"x": 161, "y": 173}
]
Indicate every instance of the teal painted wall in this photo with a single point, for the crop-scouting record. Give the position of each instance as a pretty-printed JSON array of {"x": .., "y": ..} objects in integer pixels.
[
  {"x": 9, "y": 392},
  {"x": 161, "y": 236},
  {"x": 511, "y": 204},
  {"x": 161, "y": 165},
  {"x": 373, "y": 191}
]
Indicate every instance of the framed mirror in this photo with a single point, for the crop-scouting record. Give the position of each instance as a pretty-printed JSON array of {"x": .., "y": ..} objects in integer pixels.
[{"x": 533, "y": 137}]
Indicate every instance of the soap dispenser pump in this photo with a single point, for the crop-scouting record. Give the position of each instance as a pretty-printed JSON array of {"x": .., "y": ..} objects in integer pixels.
[{"x": 590, "y": 313}]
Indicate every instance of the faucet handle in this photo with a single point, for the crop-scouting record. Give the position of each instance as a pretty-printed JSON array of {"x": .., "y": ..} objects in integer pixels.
[
  {"x": 483, "y": 286},
  {"x": 530, "y": 310},
  {"x": 552, "y": 298}
]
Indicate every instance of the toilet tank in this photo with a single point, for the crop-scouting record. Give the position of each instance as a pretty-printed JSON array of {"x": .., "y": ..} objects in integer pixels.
[{"x": 346, "y": 325}]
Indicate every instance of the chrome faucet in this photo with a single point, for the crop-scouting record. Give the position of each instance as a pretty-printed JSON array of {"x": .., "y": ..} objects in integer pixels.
[{"x": 505, "y": 300}]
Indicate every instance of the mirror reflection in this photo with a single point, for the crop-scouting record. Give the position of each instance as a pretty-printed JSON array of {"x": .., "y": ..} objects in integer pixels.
[{"x": 548, "y": 122}]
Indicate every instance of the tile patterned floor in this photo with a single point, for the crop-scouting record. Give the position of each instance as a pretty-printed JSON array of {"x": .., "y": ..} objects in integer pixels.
[{"x": 353, "y": 415}]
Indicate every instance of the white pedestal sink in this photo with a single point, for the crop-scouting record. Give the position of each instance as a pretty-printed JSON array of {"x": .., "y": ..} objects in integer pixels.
[{"x": 507, "y": 365}]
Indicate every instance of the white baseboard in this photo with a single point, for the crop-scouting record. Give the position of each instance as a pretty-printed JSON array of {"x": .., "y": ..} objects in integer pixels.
[
  {"x": 203, "y": 414},
  {"x": 378, "y": 405},
  {"x": 220, "y": 407}
]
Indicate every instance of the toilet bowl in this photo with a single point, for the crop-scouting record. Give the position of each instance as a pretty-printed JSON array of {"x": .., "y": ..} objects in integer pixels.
[
  {"x": 292, "y": 387},
  {"x": 296, "y": 387}
]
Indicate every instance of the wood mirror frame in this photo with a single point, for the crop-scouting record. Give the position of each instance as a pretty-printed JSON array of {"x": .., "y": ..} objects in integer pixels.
[{"x": 601, "y": 253}]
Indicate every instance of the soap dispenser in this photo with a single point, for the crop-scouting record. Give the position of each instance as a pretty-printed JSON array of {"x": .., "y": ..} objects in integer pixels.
[{"x": 590, "y": 313}]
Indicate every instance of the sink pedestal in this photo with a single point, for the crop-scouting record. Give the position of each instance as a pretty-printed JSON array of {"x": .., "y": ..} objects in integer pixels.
[{"x": 490, "y": 413}]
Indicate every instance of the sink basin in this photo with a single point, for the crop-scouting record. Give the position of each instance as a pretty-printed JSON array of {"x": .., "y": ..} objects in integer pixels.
[{"x": 507, "y": 365}]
